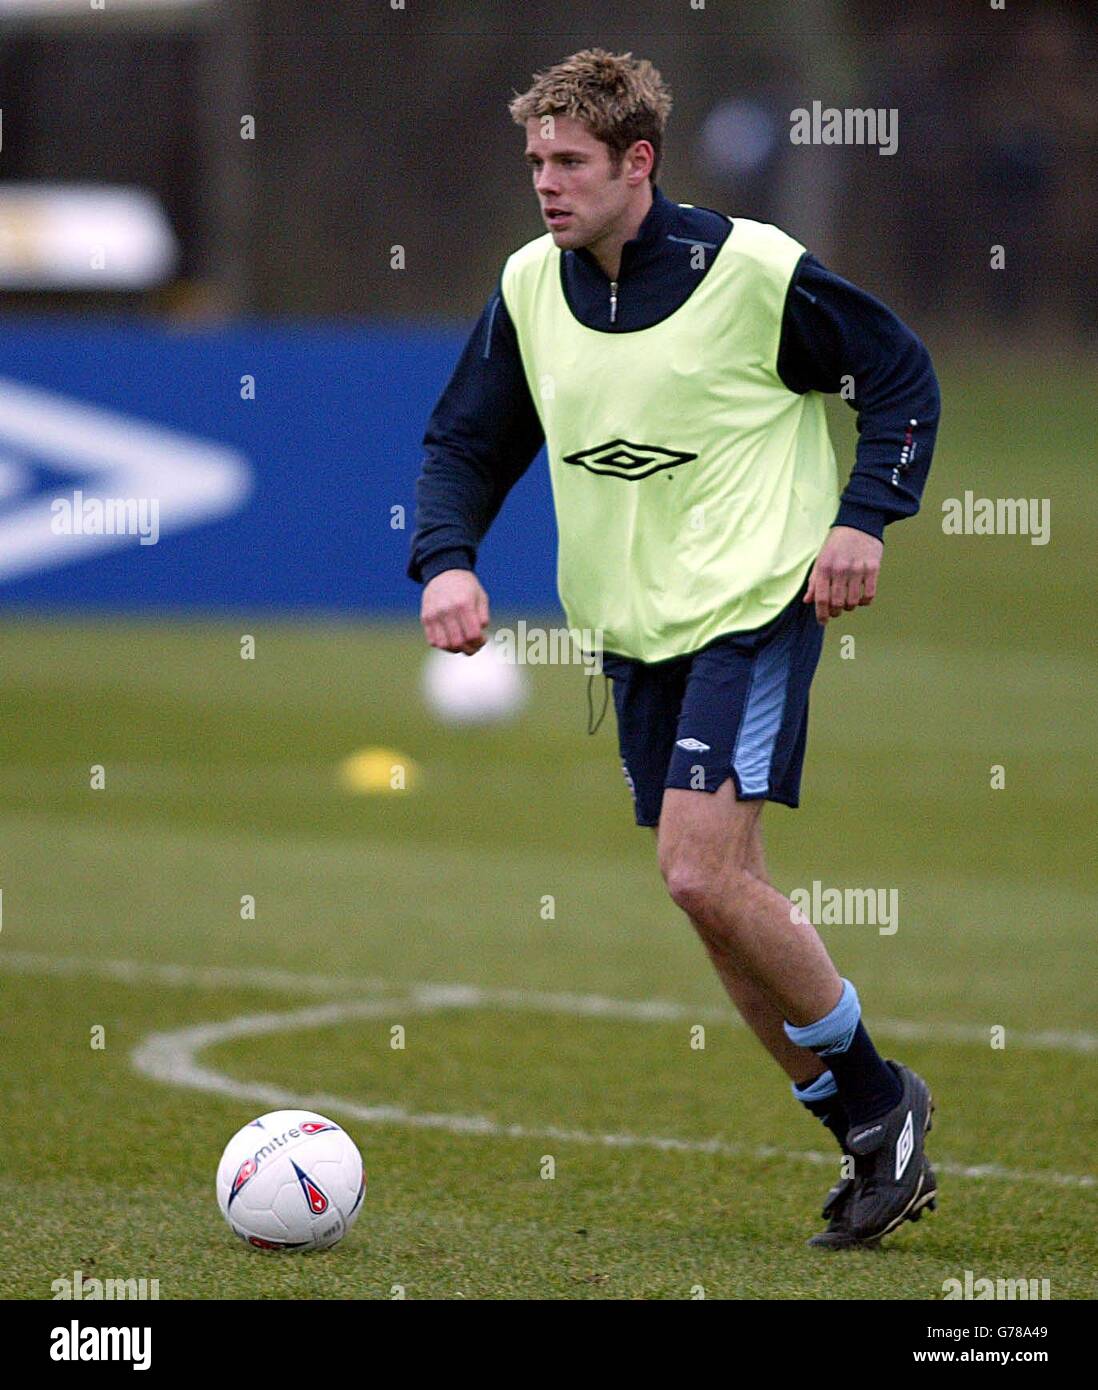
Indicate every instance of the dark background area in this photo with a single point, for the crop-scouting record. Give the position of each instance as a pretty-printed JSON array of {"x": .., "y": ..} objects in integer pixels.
[{"x": 378, "y": 128}]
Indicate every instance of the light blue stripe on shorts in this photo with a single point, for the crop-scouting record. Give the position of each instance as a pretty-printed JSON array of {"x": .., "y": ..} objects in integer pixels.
[{"x": 762, "y": 715}]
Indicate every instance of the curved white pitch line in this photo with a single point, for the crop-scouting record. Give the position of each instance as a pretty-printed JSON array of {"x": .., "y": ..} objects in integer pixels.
[{"x": 171, "y": 1057}]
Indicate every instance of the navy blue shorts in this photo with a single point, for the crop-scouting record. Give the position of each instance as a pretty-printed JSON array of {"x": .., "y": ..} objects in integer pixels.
[{"x": 737, "y": 708}]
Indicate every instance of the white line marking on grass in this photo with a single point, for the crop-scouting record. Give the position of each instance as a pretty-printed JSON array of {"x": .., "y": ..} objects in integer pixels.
[
  {"x": 139, "y": 972},
  {"x": 579, "y": 1005},
  {"x": 171, "y": 1057}
]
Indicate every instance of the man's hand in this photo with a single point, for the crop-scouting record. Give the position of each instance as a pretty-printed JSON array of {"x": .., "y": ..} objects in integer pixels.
[
  {"x": 454, "y": 612},
  {"x": 845, "y": 573}
]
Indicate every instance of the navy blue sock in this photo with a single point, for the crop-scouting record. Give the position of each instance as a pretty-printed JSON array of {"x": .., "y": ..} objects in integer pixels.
[{"x": 867, "y": 1085}]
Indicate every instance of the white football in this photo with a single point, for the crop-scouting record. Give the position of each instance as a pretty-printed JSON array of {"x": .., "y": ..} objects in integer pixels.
[
  {"x": 479, "y": 689},
  {"x": 290, "y": 1180}
]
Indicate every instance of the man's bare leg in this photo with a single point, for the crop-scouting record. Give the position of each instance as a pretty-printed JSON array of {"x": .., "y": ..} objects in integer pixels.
[
  {"x": 705, "y": 855},
  {"x": 774, "y": 966},
  {"x": 754, "y": 1003},
  {"x": 705, "y": 844}
]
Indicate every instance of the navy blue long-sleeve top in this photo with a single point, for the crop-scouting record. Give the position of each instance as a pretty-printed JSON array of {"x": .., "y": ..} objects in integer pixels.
[{"x": 484, "y": 432}]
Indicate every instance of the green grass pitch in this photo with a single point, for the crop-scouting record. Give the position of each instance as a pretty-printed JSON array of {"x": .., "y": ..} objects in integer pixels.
[{"x": 221, "y": 781}]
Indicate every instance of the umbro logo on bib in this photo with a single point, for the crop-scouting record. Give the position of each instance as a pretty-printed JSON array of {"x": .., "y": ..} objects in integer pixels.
[{"x": 618, "y": 458}]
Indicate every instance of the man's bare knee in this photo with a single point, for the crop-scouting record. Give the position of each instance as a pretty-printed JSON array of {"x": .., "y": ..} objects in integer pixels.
[
  {"x": 706, "y": 893},
  {"x": 707, "y": 844}
]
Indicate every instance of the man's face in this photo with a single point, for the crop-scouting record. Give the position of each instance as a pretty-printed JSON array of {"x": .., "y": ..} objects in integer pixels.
[{"x": 581, "y": 198}]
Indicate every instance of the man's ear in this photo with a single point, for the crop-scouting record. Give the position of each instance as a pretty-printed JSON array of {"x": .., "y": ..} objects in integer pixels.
[{"x": 640, "y": 157}]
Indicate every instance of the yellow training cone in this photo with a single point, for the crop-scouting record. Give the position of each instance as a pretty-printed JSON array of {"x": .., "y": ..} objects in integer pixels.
[{"x": 377, "y": 770}]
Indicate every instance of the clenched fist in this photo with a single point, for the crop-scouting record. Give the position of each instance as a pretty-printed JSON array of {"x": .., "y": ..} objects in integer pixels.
[
  {"x": 454, "y": 612},
  {"x": 844, "y": 576}
]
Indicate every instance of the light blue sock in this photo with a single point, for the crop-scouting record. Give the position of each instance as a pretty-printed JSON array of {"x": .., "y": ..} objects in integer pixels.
[
  {"x": 832, "y": 1033},
  {"x": 822, "y": 1088}
]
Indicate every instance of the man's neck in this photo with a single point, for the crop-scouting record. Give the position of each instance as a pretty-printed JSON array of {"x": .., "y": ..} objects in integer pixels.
[{"x": 608, "y": 251}]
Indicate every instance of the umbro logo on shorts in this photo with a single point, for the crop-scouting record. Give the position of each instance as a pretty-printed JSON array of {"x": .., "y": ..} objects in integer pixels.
[
  {"x": 618, "y": 458},
  {"x": 692, "y": 745}
]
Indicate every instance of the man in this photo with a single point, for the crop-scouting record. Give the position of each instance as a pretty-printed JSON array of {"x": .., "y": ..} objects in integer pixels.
[{"x": 672, "y": 360}]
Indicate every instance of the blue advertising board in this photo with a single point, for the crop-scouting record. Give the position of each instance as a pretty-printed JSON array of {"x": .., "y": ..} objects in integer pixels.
[{"x": 273, "y": 466}]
